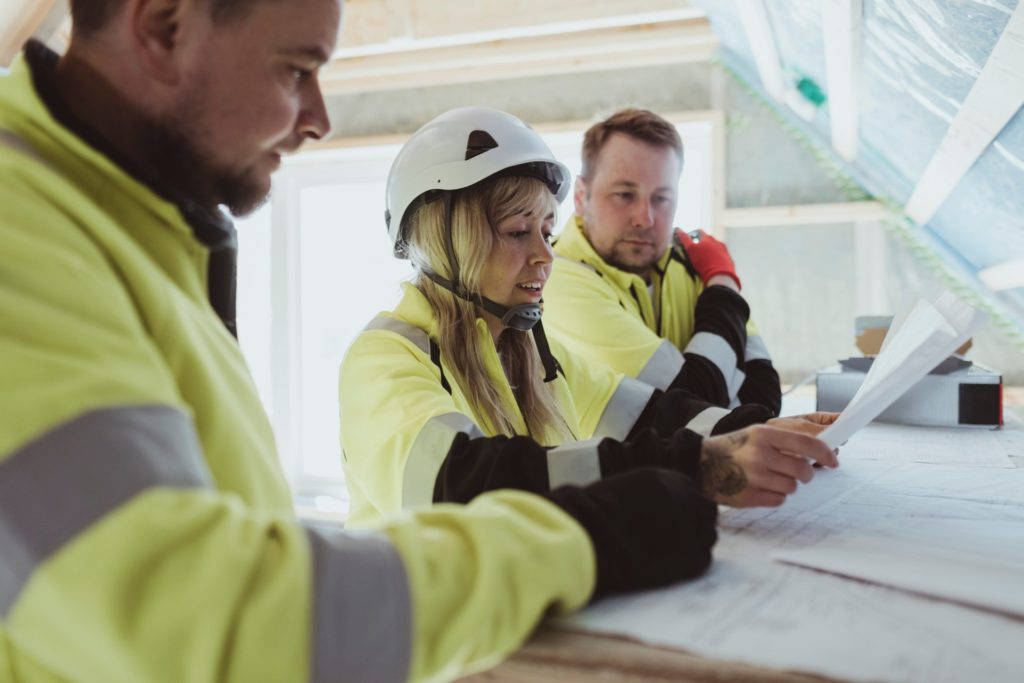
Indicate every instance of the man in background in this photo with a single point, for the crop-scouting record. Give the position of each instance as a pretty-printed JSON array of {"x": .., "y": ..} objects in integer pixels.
[
  {"x": 630, "y": 291},
  {"x": 147, "y": 532}
]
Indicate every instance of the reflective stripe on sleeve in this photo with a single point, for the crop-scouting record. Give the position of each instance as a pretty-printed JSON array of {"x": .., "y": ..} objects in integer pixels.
[
  {"x": 414, "y": 334},
  {"x": 663, "y": 366},
  {"x": 428, "y": 453},
  {"x": 362, "y": 611},
  {"x": 706, "y": 420},
  {"x": 574, "y": 463},
  {"x": 624, "y": 409},
  {"x": 756, "y": 350},
  {"x": 16, "y": 142},
  {"x": 55, "y": 487},
  {"x": 717, "y": 351}
]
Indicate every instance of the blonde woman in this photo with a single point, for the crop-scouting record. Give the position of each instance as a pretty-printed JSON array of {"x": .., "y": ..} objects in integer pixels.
[{"x": 458, "y": 391}]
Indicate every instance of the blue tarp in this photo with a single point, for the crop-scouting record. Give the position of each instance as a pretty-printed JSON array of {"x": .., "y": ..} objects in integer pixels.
[{"x": 919, "y": 60}]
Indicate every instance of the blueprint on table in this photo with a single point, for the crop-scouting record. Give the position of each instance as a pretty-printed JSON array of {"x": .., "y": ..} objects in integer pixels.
[{"x": 751, "y": 608}]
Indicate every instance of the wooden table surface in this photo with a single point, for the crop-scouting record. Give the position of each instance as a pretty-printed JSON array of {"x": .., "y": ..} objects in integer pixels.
[{"x": 554, "y": 655}]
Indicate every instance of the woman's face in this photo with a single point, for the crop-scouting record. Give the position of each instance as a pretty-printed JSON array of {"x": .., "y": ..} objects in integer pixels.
[{"x": 520, "y": 260}]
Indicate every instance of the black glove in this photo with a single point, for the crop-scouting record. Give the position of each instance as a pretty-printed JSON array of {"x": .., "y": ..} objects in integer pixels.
[{"x": 649, "y": 528}]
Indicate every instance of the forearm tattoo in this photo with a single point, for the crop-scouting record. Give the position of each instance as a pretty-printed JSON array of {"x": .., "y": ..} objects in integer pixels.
[{"x": 720, "y": 473}]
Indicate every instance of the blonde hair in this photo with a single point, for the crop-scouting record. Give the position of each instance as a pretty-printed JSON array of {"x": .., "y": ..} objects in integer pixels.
[{"x": 476, "y": 211}]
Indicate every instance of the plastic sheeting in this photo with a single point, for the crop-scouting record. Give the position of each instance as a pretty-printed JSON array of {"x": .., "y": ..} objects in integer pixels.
[{"x": 919, "y": 60}]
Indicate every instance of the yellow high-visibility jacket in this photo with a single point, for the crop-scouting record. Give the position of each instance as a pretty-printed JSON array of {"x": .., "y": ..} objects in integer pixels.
[
  {"x": 411, "y": 437},
  {"x": 146, "y": 530},
  {"x": 401, "y": 410},
  {"x": 679, "y": 335}
]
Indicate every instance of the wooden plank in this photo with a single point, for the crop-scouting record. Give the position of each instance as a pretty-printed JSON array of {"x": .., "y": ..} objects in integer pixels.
[
  {"x": 369, "y": 22},
  {"x": 754, "y": 16},
  {"x": 716, "y": 117},
  {"x": 555, "y": 655},
  {"x": 996, "y": 96},
  {"x": 804, "y": 214},
  {"x": 719, "y": 178},
  {"x": 841, "y": 33},
  {"x": 18, "y": 21},
  {"x": 1008, "y": 275},
  {"x": 670, "y": 42}
]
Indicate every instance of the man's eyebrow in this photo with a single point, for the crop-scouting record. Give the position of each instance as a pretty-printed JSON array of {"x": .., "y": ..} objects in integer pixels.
[{"x": 313, "y": 54}]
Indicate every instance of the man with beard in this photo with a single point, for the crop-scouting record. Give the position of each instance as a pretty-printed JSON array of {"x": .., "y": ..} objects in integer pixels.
[
  {"x": 629, "y": 291},
  {"x": 147, "y": 532}
]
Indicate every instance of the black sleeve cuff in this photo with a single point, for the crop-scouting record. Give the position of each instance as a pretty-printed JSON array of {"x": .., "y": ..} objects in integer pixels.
[{"x": 474, "y": 466}]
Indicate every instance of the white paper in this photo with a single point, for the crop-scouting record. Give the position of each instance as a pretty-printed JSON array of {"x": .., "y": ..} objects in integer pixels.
[
  {"x": 750, "y": 608},
  {"x": 968, "y": 447},
  {"x": 919, "y": 339},
  {"x": 986, "y": 577}
]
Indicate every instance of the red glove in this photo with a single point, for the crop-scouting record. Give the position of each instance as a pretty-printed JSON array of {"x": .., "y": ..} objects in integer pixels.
[{"x": 709, "y": 256}]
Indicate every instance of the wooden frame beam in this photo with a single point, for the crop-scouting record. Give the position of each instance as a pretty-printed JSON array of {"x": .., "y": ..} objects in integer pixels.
[
  {"x": 841, "y": 31},
  {"x": 754, "y": 16},
  {"x": 996, "y": 96},
  {"x": 805, "y": 214},
  {"x": 20, "y": 20},
  {"x": 667, "y": 42},
  {"x": 1008, "y": 275},
  {"x": 388, "y": 23}
]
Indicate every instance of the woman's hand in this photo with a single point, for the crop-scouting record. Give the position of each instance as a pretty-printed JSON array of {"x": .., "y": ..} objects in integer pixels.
[{"x": 760, "y": 465}]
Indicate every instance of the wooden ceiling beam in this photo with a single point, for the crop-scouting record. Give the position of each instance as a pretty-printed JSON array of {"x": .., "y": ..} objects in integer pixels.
[
  {"x": 841, "y": 36},
  {"x": 369, "y": 22},
  {"x": 667, "y": 42},
  {"x": 21, "y": 19},
  {"x": 995, "y": 97}
]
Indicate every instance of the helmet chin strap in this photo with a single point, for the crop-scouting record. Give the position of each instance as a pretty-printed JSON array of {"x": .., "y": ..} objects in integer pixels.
[{"x": 524, "y": 317}]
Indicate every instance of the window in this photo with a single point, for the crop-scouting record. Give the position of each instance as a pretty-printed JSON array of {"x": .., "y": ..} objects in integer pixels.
[{"x": 315, "y": 266}]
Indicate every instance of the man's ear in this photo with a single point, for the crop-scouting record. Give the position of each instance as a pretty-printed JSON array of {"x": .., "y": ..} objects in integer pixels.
[
  {"x": 579, "y": 195},
  {"x": 158, "y": 30}
]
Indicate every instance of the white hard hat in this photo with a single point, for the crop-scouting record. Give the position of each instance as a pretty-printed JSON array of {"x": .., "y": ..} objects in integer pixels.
[{"x": 462, "y": 147}]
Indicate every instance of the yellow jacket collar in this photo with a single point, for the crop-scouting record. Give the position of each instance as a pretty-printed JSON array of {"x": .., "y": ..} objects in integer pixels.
[
  {"x": 573, "y": 244},
  {"x": 24, "y": 113},
  {"x": 415, "y": 310}
]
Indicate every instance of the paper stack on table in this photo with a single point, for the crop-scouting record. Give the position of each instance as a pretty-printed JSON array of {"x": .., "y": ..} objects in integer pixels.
[{"x": 921, "y": 337}]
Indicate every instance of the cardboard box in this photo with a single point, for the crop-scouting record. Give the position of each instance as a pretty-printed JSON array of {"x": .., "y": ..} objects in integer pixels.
[{"x": 870, "y": 331}]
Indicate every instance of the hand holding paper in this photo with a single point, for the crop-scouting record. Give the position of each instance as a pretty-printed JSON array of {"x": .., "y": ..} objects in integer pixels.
[{"x": 920, "y": 338}]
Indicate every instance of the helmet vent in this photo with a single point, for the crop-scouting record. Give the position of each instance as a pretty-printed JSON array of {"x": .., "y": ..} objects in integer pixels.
[{"x": 479, "y": 142}]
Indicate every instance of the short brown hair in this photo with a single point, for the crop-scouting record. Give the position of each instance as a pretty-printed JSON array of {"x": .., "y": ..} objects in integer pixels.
[
  {"x": 640, "y": 124},
  {"x": 89, "y": 16}
]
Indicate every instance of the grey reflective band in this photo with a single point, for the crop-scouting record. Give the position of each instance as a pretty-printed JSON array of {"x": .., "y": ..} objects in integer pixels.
[
  {"x": 718, "y": 351},
  {"x": 623, "y": 409},
  {"x": 734, "y": 383},
  {"x": 362, "y": 608},
  {"x": 428, "y": 453},
  {"x": 414, "y": 334},
  {"x": 706, "y": 420},
  {"x": 663, "y": 366},
  {"x": 55, "y": 487},
  {"x": 574, "y": 463},
  {"x": 19, "y": 144},
  {"x": 756, "y": 350}
]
